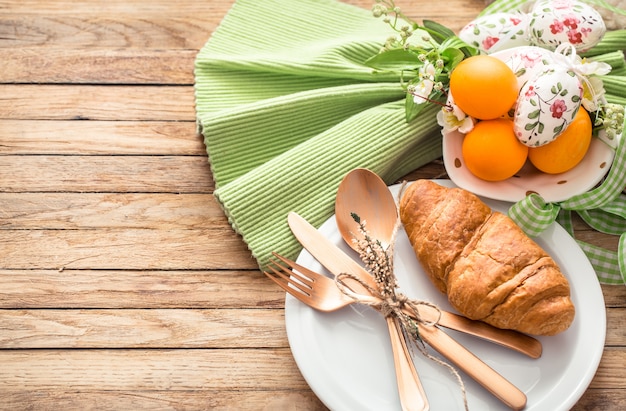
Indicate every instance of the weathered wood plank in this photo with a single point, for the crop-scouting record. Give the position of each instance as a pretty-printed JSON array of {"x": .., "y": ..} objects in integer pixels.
[
  {"x": 223, "y": 289},
  {"x": 132, "y": 249},
  {"x": 100, "y": 137},
  {"x": 242, "y": 400},
  {"x": 97, "y": 102},
  {"x": 97, "y": 66},
  {"x": 156, "y": 328},
  {"x": 601, "y": 399},
  {"x": 137, "y": 8},
  {"x": 616, "y": 327},
  {"x": 149, "y": 370},
  {"x": 69, "y": 211},
  {"x": 121, "y": 174},
  {"x": 611, "y": 369},
  {"x": 614, "y": 295},
  {"x": 134, "y": 29}
]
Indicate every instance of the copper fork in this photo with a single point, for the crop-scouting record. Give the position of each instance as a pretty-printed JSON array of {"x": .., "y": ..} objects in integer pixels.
[{"x": 321, "y": 293}]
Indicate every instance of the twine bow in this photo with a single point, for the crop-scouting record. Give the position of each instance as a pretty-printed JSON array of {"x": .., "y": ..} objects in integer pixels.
[{"x": 385, "y": 298}]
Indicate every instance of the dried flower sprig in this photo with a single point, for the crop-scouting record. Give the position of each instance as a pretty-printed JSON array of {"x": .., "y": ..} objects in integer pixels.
[
  {"x": 424, "y": 55},
  {"x": 378, "y": 259}
]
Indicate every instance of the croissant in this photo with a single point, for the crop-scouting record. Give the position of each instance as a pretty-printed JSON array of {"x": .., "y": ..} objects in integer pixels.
[{"x": 488, "y": 267}]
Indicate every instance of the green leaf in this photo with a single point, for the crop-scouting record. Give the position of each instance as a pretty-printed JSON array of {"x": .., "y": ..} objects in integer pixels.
[
  {"x": 457, "y": 43},
  {"x": 411, "y": 110},
  {"x": 558, "y": 129},
  {"x": 394, "y": 60},
  {"x": 452, "y": 57},
  {"x": 534, "y": 114},
  {"x": 437, "y": 31},
  {"x": 530, "y": 126}
]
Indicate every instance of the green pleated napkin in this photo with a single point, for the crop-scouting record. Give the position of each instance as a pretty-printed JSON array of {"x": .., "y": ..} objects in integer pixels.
[{"x": 287, "y": 107}]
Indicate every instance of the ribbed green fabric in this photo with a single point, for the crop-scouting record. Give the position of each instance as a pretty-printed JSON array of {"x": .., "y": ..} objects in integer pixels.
[{"x": 287, "y": 108}]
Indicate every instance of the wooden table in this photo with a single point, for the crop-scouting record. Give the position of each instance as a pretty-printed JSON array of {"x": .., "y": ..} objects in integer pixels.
[{"x": 122, "y": 285}]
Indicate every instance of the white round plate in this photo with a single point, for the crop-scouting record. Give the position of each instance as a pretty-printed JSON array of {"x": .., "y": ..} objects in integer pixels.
[
  {"x": 552, "y": 187},
  {"x": 345, "y": 356}
]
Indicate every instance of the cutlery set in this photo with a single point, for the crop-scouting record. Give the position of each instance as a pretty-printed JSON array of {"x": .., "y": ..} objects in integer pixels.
[{"x": 321, "y": 293}]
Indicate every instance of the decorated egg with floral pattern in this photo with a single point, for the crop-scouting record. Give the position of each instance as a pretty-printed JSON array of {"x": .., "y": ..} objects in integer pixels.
[
  {"x": 526, "y": 61},
  {"x": 496, "y": 31},
  {"x": 553, "y": 22},
  {"x": 547, "y": 104}
]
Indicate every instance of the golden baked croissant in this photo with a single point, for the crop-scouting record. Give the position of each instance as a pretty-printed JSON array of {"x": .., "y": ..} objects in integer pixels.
[{"x": 488, "y": 267}]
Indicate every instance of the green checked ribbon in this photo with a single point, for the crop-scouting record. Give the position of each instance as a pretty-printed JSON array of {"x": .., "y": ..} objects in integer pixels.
[{"x": 603, "y": 209}]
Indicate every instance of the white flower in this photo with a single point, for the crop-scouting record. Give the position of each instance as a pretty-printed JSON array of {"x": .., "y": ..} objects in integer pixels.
[
  {"x": 593, "y": 88},
  {"x": 593, "y": 93},
  {"x": 451, "y": 118},
  {"x": 421, "y": 91},
  {"x": 588, "y": 68}
]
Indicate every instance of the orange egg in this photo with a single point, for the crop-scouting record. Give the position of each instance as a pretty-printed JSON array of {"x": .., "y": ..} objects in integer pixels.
[
  {"x": 484, "y": 87},
  {"x": 492, "y": 152},
  {"x": 567, "y": 150}
]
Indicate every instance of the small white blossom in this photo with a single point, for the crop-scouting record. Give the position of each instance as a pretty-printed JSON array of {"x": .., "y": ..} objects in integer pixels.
[
  {"x": 589, "y": 68},
  {"x": 421, "y": 91},
  {"x": 451, "y": 118},
  {"x": 593, "y": 94}
]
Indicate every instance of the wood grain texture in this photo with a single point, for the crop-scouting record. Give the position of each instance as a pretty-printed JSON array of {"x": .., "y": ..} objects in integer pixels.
[
  {"x": 122, "y": 284},
  {"x": 136, "y": 289},
  {"x": 287, "y": 399},
  {"x": 110, "y": 174},
  {"x": 134, "y": 249},
  {"x": 69, "y": 137},
  {"x": 149, "y": 369},
  {"x": 97, "y": 102},
  {"x": 137, "y": 328},
  {"x": 124, "y": 66},
  {"x": 72, "y": 211}
]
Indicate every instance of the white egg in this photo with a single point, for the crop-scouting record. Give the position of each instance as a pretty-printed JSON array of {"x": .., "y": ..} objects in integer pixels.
[
  {"x": 547, "y": 104},
  {"x": 496, "y": 31},
  {"x": 553, "y": 22}
]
